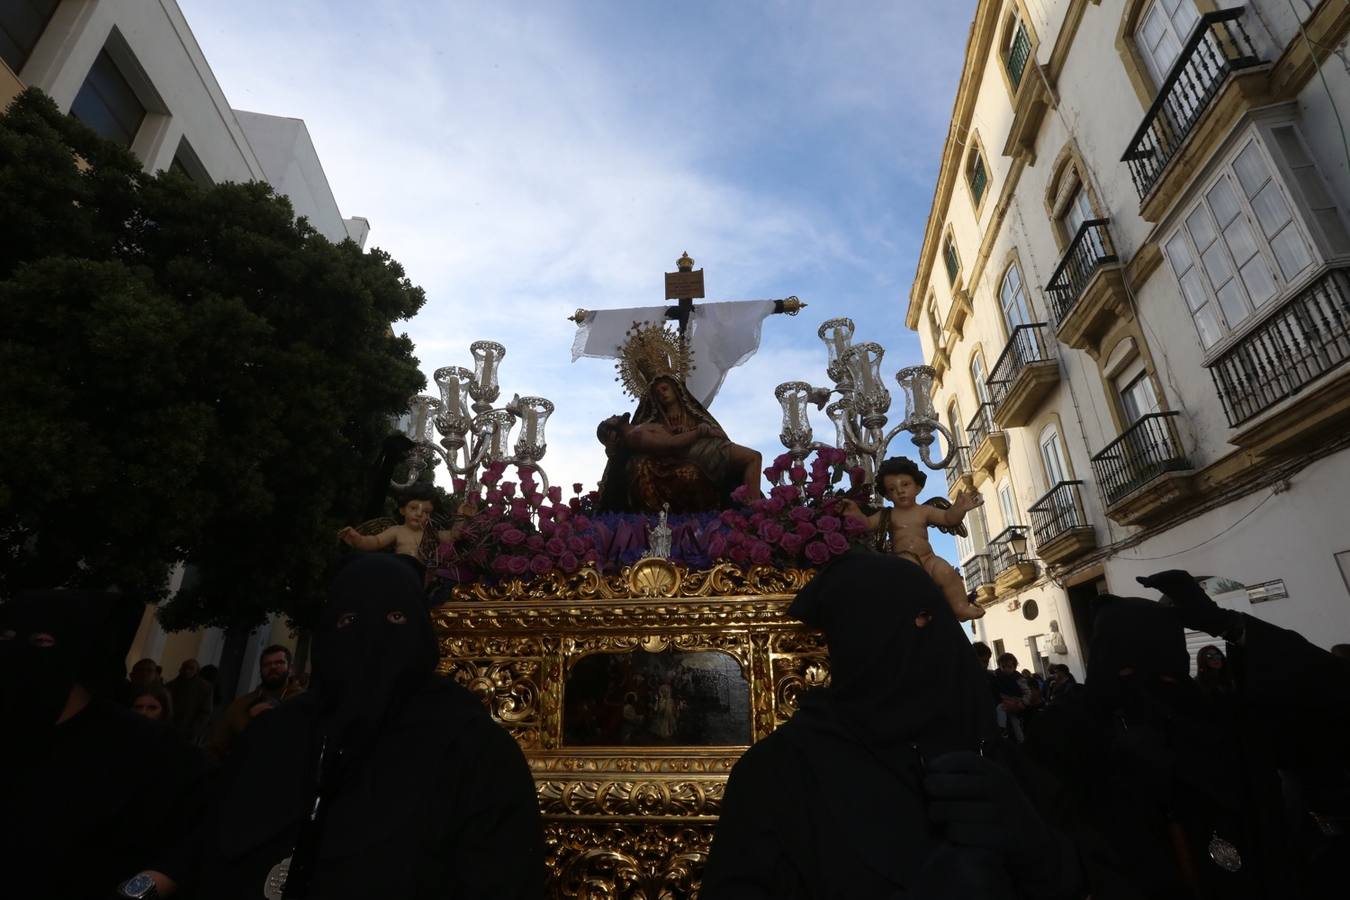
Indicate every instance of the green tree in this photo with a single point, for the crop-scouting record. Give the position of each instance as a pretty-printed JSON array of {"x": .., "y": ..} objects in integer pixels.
[{"x": 187, "y": 373}]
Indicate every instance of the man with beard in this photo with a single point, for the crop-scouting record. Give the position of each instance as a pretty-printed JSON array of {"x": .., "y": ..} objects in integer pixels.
[
  {"x": 385, "y": 780},
  {"x": 1184, "y": 797},
  {"x": 891, "y": 782},
  {"x": 274, "y": 669},
  {"x": 93, "y": 793}
]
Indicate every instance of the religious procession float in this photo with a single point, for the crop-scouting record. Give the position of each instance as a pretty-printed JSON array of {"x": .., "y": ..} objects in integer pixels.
[{"x": 634, "y": 638}]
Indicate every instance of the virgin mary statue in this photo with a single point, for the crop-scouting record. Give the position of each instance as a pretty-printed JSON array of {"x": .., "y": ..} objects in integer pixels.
[{"x": 671, "y": 450}]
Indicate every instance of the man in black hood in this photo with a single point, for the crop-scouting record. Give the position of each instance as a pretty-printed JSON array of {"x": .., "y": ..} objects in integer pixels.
[
  {"x": 385, "y": 780},
  {"x": 885, "y": 783},
  {"x": 93, "y": 794},
  {"x": 1182, "y": 797}
]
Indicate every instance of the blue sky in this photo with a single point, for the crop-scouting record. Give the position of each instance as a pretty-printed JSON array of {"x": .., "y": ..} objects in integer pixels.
[{"x": 525, "y": 159}]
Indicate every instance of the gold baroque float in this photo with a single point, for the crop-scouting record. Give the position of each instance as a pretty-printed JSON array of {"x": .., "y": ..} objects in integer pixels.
[{"x": 622, "y": 820}]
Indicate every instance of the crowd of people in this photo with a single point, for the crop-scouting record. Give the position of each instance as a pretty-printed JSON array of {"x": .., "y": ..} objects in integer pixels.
[{"x": 922, "y": 771}]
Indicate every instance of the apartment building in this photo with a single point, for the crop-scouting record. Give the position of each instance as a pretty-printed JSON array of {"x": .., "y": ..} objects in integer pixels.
[
  {"x": 1135, "y": 288},
  {"x": 132, "y": 71}
]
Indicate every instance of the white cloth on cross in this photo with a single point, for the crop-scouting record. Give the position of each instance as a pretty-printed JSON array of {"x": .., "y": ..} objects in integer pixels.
[{"x": 722, "y": 336}]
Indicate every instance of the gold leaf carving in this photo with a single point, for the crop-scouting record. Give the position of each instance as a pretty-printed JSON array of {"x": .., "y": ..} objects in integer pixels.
[{"x": 635, "y": 862}]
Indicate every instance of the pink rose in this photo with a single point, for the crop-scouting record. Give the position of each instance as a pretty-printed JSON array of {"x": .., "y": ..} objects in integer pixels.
[
  {"x": 576, "y": 487},
  {"x": 817, "y": 553},
  {"x": 775, "y": 505},
  {"x": 783, "y": 461},
  {"x": 535, "y": 542},
  {"x": 773, "y": 473},
  {"x": 855, "y": 525},
  {"x": 556, "y": 547},
  {"x": 568, "y": 563},
  {"x": 513, "y": 537},
  {"x": 576, "y": 545},
  {"x": 502, "y": 565},
  {"x": 490, "y": 478},
  {"x": 563, "y": 514},
  {"x": 836, "y": 543},
  {"x": 741, "y": 494},
  {"x": 806, "y": 531},
  {"x": 800, "y": 514},
  {"x": 541, "y": 565},
  {"x": 791, "y": 542},
  {"x": 457, "y": 484},
  {"x": 784, "y": 492},
  {"x": 519, "y": 565},
  {"x": 508, "y": 489},
  {"x": 535, "y": 499},
  {"x": 816, "y": 489},
  {"x": 828, "y": 523},
  {"x": 545, "y": 514},
  {"x": 856, "y": 474},
  {"x": 739, "y": 554},
  {"x": 761, "y": 554},
  {"x": 771, "y": 532},
  {"x": 555, "y": 494},
  {"x": 547, "y": 529},
  {"x": 797, "y": 474},
  {"x": 520, "y": 510},
  {"x": 581, "y": 522},
  {"x": 494, "y": 496}
]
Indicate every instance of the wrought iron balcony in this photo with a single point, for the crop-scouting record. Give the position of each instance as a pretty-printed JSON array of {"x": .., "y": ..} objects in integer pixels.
[
  {"x": 1019, "y": 51},
  {"x": 1089, "y": 250},
  {"x": 1024, "y": 373},
  {"x": 1218, "y": 46},
  {"x": 1148, "y": 448},
  {"x": 959, "y": 469},
  {"x": 1012, "y": 567},
  {"x": 1303, "y": 340},
  {"x": 978, "y": 573},
  {"x": 1060, "y": 524},
  {"x": 981, "y": 426}
]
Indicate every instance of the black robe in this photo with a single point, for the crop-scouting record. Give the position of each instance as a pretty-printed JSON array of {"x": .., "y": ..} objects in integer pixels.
[{"x": 832, "y": 805}]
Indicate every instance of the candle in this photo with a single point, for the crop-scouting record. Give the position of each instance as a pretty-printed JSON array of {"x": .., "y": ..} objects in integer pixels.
[
  {"x": 869, "y": 385},
  {"x": 488, "y": 363},
  {"x": 452, "y": 401},
  {"x": 531, "y": 422},
  {"x": 839, "y": 346},
  {"x": 794, "y": 412}
]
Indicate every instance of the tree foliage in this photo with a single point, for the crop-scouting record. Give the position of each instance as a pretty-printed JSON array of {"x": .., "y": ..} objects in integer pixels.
[{"x": 187, "y": 373}]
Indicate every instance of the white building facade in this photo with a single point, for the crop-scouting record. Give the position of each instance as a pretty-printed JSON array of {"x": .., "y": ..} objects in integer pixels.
[
  {"x": 132, "y": 71},
  {"x": 1135, "y": 287}
]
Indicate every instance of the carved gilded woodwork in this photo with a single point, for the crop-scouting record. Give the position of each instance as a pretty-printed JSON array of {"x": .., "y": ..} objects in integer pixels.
[{"x": 628, "y": 821}]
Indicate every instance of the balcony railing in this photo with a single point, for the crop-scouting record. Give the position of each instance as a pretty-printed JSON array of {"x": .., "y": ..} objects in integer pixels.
[
  {"x": 1306, "y": 338},
  {"x": 1091, "y": 247},
  {"x": 1218, "y": 45},
  {"x": 980, "y": 427},
  {"x": 1059, "y": 511},
  {"x": 1147, "y": 449},
  {"x": 977, "y": 571},
  {"x": 952, "y": 260},
  {"x": 958, "y": 467},
  {"x": 1001, "y": 551},
  {"x": 1026, "y": 346},
  {"x": 1019, "y": 51}
]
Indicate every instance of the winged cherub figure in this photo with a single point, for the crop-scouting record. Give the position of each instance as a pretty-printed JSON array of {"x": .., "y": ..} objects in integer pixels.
[{"x": 907, "y": 522}]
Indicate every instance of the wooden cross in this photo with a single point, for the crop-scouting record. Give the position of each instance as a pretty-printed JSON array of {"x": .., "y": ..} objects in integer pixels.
[{"x": 684, "y": 285}]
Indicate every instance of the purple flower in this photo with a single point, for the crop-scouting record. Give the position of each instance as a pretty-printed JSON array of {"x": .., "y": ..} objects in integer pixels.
[
  {"x": 784, "y": 492},
  {"x": 761, "y": 554},
  {"x": 547, "y": 529},
  {"x": 545, "y": 514},
  {"x": 490, "y": 478},
  {"x": 739, "y": 554},
  {"x": 555, "y": 494},
  {"x": 806, "y": 531},
  {"x": 791, "y": 543},
  {"x": 783, "y": 461},
  {"x": 828, "y": 523},
  {"x": 457, "y": 484},
  {"x": 856, "y": 474},
  {"x": 797, "y": 474},
  {"x": 535, "y": 499},
  {"x": 771, "y": 531},
  {"x": 817, "y": 553},
  {"x": 816, "y": 489},
  {"x": 508, "y": 489},
  {"x": 800, "y": 514},
  {"x": 836, "y": 543},
  {"x": 556, "y": 547},
  {"x": 535, "y": 542},
  {"x": 577, "y": 545},
  {"x": 520, "y": 510},
  {"x": 541, "y": 565},
  {"x": 568, "y": 563},
  {"x": 855, "y": 525},
  {"x": 519, "y": 565},
  {"x": 502, "y": 565},
  {"x": 494, "y": 496},
  {"x": 513, "y": 537},
  {"x": 775, "y": 505},
  {"x": 576, "y": 487},
  {"x": 773, "y": 473},
  {"x": 741, "y": 494}
]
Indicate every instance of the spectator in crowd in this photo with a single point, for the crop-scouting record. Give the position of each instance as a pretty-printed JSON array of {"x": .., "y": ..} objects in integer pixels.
[
  {"x": 1182, "y": 797},
  {"x": 146, "y": 671},
  {"x": 891, "y": 782},
  {"x": 1062, "y": 684},
  {"x": 1212, "y": 674},
  {"x": 192, "y": 701},
  {"x": 1340, "y": 651},
  {"x": 386, "y": 780},
  {"x": 982, "y": 653},
  {"x": 274, "y": 669},
  {"x": 153, "y": 702},
  {"x": 1014, "y": 697},
  {"x": 93, "y": 793}
]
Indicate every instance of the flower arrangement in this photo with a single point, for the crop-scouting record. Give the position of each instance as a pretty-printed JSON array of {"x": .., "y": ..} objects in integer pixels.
[{"x": 800, "y": 523}]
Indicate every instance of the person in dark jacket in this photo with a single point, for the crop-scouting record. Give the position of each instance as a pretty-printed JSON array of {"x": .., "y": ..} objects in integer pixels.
[
  {"x": 1182, "y": 797},
  {"x": 93, "y": 794},
  {"x": 385, "y": 780},
  {"x": 891, "y": 782}
]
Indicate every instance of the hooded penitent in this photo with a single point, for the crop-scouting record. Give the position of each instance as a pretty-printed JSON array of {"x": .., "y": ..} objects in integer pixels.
[{"x": 893, "y": 682}]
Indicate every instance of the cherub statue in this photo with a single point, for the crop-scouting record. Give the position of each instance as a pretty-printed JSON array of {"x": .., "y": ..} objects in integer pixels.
[
  {"x": 412, "y": 538},
  {"x": 907, "y": 525}
]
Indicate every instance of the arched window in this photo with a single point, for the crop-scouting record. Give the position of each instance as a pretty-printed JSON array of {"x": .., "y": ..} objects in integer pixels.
[
  {"x": 977, "y": 375},
  {"x": 1162, "y": 32},
  {"x": 1012, "y": 297},
  {"x": 976, "y": 175}
]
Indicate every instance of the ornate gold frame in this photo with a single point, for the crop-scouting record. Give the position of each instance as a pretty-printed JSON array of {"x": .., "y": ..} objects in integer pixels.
[{"x": 627, "y": 821}]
